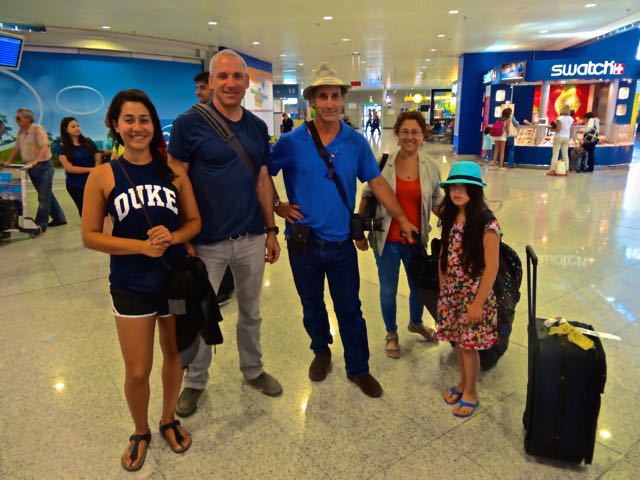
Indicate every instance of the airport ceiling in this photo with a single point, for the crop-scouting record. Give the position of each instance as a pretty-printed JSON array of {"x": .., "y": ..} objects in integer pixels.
[{"x": 390, "y": 44}]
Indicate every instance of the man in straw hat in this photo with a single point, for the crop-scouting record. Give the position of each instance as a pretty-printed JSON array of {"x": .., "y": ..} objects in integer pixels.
[{"x": 321, "y": 188}]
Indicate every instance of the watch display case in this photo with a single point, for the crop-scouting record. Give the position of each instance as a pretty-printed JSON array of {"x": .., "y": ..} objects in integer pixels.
[{"x": 542, "y": 135}]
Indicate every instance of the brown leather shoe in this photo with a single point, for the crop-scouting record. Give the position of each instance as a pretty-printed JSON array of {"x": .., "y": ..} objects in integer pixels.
[
  {"x": 367, "y": 384},
  {"x": 429, "y": 334},
  {"x": 320, "y": 366}
]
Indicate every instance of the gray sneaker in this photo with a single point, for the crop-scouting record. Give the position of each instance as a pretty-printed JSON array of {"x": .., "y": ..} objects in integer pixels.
[
  {"x": 188, "y": 402},
  {"x": 266, "y": 384}
]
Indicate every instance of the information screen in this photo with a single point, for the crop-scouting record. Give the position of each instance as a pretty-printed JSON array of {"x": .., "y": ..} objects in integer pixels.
[
  {"x": 512, "y": 72},
  {"x": 10, "y": 50}
]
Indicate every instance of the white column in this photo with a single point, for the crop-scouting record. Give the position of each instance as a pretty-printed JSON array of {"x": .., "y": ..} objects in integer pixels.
[
  {"x": 592, "y": 94},
  {"x": 544, "y": 99},
  {"x": 611, "y": 107}
]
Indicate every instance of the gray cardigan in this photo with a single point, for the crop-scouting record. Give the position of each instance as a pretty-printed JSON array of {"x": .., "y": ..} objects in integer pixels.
[{"x": 431, "y": 196}]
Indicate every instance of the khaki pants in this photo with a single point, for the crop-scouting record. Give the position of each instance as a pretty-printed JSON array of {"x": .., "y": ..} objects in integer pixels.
[
  {"x": 245, "y": 256},
  {"x": 562, "y": 144}
]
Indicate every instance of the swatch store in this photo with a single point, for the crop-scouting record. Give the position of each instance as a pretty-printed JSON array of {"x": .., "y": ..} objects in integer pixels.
[{"x": 600, "y": 77}]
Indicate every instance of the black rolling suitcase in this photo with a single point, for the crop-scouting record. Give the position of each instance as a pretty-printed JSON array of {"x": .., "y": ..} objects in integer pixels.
[{"x": 563, "y": 390}]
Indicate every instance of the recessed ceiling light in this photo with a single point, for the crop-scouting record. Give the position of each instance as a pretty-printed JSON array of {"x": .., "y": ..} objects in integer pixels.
[
  {"x": 590, "y": 5},
  {"x": 544, "y": 31},
  {"x": 453, "y": 12},
  {"x": 213, "y": 23},
  {"x": 346, "y": 39},
  {"x": 328, "y": 17},
  {"x": 363, "y": 61},
  {"x": 283, "y": 54},
  {"x": 301, "y": 64},
  {"x": 427, "y": 59},
  {"x": 355, "y": 53},
  {"x": 423, "y": 67},
  {"x": 441, "y": 35},
  {"x": 256, "y": 43},
  {"x": 434, "y": 50},
  {"x": 105, "y": 27}
]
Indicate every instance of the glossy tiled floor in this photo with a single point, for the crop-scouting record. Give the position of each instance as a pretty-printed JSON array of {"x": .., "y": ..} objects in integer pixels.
[{"x": 64, "y": 413}]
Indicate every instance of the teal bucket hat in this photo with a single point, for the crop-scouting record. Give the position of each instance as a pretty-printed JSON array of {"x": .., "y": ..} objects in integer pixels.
[{"x": 465, "y": 172}]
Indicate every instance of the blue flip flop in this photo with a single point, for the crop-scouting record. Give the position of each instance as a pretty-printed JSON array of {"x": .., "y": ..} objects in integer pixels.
[
  {"x": 457, "y": 396},
  {"x": 473, "y": 407}
]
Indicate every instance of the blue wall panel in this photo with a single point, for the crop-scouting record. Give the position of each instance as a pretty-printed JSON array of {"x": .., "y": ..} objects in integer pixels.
[
  {"x": 523, "y": 100},
  {"x": 56, "y": 85}
]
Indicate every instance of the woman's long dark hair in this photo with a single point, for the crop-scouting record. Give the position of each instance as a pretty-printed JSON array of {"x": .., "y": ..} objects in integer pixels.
[
  {"x": 477, "y": 216},
  {"x": 67, "y": 143},
  {"x": 157, "y": 145}
]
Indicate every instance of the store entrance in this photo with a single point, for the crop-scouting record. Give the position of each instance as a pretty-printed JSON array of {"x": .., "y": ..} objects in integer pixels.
[{"x": 366, "y": 123}]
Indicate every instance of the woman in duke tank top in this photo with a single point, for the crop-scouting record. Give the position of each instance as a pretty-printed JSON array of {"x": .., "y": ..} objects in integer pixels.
[{"x": 138, "y": 278}]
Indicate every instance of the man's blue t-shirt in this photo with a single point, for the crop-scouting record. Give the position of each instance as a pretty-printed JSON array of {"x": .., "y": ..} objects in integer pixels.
[
  {"x": 224, "y": 188},
  {"x": 82, "y": 157},
  {"x": 307, "y": 184}
]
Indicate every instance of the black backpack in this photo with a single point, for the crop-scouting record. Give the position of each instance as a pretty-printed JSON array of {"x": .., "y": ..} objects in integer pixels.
[
  {"x": 507, "y": 284},
  {"x": 507, "y": 291}
]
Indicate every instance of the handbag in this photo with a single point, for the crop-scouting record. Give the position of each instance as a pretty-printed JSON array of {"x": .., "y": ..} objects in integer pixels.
[
  {"x": 591, "y": 137},
  {"x": 423, "y": 272},
  {"x": 561, "y": 168},
  {"x": 372, "y": 201}
]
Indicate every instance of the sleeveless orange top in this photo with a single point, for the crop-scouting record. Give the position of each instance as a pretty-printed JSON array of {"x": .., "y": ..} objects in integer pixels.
[{"x": 410, "y": 199}]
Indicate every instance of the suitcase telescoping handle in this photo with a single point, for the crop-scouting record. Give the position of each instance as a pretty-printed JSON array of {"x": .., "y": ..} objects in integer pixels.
[{"x": 532, "y": 282}]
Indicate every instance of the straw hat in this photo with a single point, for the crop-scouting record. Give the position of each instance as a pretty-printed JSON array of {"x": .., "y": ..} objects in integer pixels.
[
  {"x": 326, "y": 74},
  {"x": 465, "y": 172}
]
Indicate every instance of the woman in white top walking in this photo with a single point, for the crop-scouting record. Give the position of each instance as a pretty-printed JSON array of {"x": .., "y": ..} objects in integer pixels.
[{"x": 561, "y": 138}]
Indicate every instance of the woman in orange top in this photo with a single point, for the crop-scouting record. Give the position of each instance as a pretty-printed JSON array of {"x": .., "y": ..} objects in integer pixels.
[{"x": 415, "y": 180}]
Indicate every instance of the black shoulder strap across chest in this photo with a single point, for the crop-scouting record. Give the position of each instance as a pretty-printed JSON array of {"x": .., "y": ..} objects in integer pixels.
[
  {"x": 383, "y": 160},
  {"x": 222, "y": 129},
  {"x": 331, "y": 171}
]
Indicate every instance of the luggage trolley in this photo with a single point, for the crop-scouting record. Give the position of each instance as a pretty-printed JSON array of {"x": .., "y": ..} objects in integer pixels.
[{"x": 13, "y": 204}]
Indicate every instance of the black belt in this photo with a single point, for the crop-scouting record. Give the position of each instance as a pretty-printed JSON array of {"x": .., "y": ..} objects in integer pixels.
[
  {"x": 239, "y": 235},
  {"x": 321, "y": 241}
]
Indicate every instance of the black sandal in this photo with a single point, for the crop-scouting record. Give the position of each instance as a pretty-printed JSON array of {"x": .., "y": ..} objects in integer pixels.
[
  {"x": 133, "y": 453},
  {"x": 179, "y": 437}
]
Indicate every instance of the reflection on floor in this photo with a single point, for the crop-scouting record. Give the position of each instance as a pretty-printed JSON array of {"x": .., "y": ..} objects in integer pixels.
[{"x": 64, "y": 413}]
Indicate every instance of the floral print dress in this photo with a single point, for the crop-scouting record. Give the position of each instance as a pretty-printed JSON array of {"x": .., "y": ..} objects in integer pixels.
[{"x": 459, "y": 290}]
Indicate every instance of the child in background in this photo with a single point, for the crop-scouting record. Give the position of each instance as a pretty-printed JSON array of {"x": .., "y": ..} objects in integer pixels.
[
  {"x": 487, "y": 143},
  {"x": 467, "y": 269}
]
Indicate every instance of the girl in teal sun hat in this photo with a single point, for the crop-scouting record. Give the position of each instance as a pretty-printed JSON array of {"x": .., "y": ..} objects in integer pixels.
[{"x": 467, "y": 269}]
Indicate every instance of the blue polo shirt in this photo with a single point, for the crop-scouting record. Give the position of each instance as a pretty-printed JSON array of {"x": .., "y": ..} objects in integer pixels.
[
  {"x": 224, "y": 188},
  {"x": 306, "y": 182}
]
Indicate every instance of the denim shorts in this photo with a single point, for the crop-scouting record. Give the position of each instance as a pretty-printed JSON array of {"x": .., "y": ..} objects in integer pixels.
[{"x": 130, "y": 304}]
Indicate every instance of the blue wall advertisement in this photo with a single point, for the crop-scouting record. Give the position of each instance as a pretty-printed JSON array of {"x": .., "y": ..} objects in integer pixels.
[{"x": 56, "y": 85}]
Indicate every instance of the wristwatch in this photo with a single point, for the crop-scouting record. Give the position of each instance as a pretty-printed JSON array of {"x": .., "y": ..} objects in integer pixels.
[
  {"x": 276, "y": 203},
  {"x": 273, "y": 229}
]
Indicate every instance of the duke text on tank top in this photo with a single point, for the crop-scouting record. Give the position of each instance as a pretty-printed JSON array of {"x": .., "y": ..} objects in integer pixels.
[{"x": 138, "y": 272}]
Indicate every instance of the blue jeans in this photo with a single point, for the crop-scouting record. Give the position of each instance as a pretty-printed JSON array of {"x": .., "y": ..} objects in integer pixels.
[
  {"x": 509, "y": 151},
  {"x": 388, "y": 274},
  {"x": 339, "y": 263},
  {"x": 41, "y": 176}
]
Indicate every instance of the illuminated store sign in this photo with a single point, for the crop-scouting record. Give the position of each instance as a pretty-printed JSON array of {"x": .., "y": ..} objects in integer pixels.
[
  {"x": 583, "y": 68},
  {"x": 607, "y": 68}
]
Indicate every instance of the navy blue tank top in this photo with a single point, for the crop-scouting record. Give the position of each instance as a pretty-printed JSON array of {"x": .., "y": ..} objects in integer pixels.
[{"x": 140, "y": 273}]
